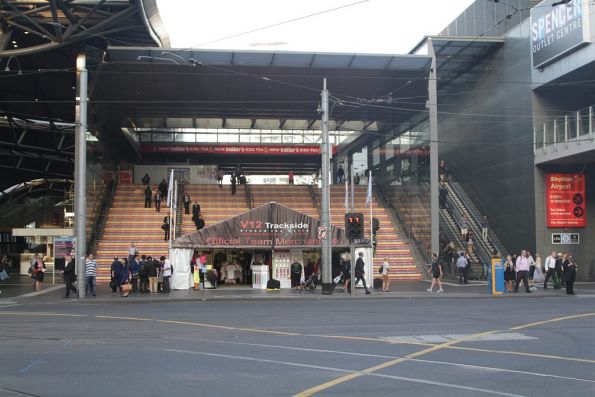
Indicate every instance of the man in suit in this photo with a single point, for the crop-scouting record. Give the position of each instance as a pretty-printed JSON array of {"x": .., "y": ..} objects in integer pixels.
[
  {"x": 186, "y": 201},
  {"x": 359, "y": 272},
  {"x": 148, "y": 196},
  {"x": 69, "y": 275},
  {"x": 157, "y": 201}
]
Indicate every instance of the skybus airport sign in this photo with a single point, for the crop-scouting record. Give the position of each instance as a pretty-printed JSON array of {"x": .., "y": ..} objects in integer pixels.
[{"x": 557, "y": 30}]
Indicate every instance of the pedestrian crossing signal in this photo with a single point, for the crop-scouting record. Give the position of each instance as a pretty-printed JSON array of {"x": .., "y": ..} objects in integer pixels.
[{"x": 354, "y": 225}]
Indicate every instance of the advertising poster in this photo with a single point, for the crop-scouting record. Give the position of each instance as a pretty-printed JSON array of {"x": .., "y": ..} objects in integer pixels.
[{"x": 565, "y": 200}]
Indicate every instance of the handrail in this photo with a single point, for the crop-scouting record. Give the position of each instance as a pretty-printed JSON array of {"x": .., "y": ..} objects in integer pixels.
[
  {"x": 179, "y": 210},
  {"x": 98, "y": 226},
  {"x": 497, "y": 242}
]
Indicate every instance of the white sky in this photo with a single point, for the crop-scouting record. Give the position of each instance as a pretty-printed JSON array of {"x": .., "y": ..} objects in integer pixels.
[{"x": 375, "y": 26}]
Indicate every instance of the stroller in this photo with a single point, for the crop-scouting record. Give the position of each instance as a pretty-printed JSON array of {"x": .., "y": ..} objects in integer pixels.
[{"x": 311, "y": 283}]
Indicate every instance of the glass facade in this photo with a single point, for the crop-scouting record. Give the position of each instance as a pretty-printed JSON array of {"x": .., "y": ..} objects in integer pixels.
[{"x": 401, "y": 170}]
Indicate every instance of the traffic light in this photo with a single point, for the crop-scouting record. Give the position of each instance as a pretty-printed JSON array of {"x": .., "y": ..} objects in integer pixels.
[{"x": 354, "y": 225}]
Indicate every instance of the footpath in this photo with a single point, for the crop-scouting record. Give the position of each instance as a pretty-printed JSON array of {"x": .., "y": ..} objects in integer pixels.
[{"x": 20, "y": 291}]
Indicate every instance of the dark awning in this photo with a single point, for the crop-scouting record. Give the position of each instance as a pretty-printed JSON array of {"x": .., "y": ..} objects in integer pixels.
[{"x": 270, "y": 226}]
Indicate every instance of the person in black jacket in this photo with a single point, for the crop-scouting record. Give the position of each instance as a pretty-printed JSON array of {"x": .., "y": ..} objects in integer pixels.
[
  {"x": 152, "y": 274},
  {"x": 148, "y": 196},
  {"x": 165, "y": 228},
  {"x": 115, "y": 273},
  {"x": 195, "y": 210},
  {"x": 359, "y": 272},
  {"x": 186, "y": 200},
  {"x": 163, "y": 188},
  {"x": 199, "y": 222},
  {"x": 569, "y": 266},
  {"x": 69, "y": 275}
]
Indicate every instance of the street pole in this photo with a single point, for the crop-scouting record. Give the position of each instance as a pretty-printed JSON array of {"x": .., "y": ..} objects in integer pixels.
[
  {"x": 80, "y": 172},
  {"x": 327, "y": 271},
  {"x": 352, "y": 244},
  {"x": 433, "y": 113}
]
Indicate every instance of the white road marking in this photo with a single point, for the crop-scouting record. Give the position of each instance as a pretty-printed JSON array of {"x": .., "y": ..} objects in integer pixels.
[
  {"x": 342, "y": 370},
  {"x": 480, "y": 367},
  {"x": 500, "y": 336}
]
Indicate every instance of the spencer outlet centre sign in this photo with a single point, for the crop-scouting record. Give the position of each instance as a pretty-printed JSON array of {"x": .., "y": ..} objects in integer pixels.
[
  {"x": 557, "y": 30},
  {"x": 565, "y": 200}
]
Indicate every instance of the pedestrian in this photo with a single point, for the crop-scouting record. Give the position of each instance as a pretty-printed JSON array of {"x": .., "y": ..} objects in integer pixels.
[
  {"x": 199, "y": 222},
  {"x": 470, "y": 245},
  {"x": 509, "y": 273},
  {"x": 340, "y": 175},
  {"x": 160, "y": 274},
  {"x": 550, "y": 269},
  {"x": 569, "y": 266},
  {"x": 559, "y": 266},
  {"x": 532, "y": 265},
  {"x": 308, "y": 269},
  {"x": 484, "y": 228},
  {"x": 443, "y": 196},
  {"x": 167, "y": 272},
  {"x": 38, "y": 272},
  {"x": 115, "y": 272},
  {"x": 143, "y": 275},
  {"x": 132, "y": 251},
  {"x": 443, "y": 170},
  {"x": 165, "y": 228},
  {"x": 220, "y": 178},
  {"x": 146, "y": 180},
  {"x": 385, "y": 275},
  {"x": 290, "y": 177},
  {"x": 196, "y": 272},
  {"x": 134, "y": 273},
  {"x": 163, "y": 188},
  {"x": 90, "y": 275},
  {"x": 462, "y": 264},
  {"x": 186, "y": 200},
  {"x": 233, "y": 184},
  {"x": 157, "y": 200},
  {"x": 152, "y": 274},
  {"x": 436, "y": 270},
  {"x": 296, "y": 274},
  {"x": 346, "y": 271},
  {"x": 124, "y": 280},
  {"x": 522, "y": 272},
  {"x": 69, "y": 275},
  {"x": 148, "y": 195},
  {"x": 195, "y": 210},
  {"x": 359, "y": 272},
  {"x": 464, "y": 227}
]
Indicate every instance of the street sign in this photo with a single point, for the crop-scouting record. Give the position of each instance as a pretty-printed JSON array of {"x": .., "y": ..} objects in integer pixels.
[
  {"x": 565, "y": 238},
  {"x": 322, "y": 233}
]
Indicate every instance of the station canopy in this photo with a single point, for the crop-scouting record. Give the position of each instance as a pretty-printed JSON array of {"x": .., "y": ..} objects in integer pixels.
[{"x": 270, "y": 226}]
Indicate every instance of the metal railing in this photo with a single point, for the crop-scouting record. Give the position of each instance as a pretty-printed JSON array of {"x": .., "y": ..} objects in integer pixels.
[
  {"x": 99, "y": 216},
  {"x": 572, "y": 127}
]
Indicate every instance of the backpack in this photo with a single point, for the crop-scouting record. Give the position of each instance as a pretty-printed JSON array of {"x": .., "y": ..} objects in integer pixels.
[{"x": 142, "y": 272}]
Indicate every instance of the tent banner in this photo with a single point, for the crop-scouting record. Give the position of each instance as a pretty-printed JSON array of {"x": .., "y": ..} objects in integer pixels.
[{"x": 269, "y": 226}]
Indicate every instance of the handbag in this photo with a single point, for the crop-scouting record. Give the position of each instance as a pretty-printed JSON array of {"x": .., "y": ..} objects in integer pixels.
[{"x": 126, "y": 287}]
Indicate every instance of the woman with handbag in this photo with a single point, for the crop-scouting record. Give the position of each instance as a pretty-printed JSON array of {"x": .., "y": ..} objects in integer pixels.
[
  {"x": 38, "y": 274},
  {"x": 123, "y": 282}
]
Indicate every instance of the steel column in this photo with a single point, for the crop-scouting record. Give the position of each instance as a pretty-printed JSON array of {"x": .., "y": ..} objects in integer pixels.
[
  {"x": 434, "y": 165},
  {"x": 80, "y": 172},
  {"x": 327, "y": 288}
]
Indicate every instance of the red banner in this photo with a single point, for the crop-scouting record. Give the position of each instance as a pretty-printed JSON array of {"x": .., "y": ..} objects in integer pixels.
[
  {"x": 565, "y": 200},
  {"x": 233, "y": 149}
]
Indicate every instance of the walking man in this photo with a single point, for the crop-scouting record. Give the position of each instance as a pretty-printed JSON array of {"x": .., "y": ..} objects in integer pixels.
[
  {"x": 157, "y": 201},
  {"x": 167, "y": 270},
  {"x": 165, "y": 228},
  {"x": 90, "y": 275},
  {"x": 484, "y": 228},
  {"x": 550, "y": 268},
  {"x": 186, "y": 201},
  {"x": 359, "y": 272},
  {"x": 569, "y": 274},
  {"x": 69, "y": 275},
  {"x": 522, "y": 272},
  {"x": 462, "y": 268},
  {"x": 148, "y": 195}
]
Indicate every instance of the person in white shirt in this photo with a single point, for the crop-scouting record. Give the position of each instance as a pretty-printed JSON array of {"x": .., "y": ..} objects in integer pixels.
[
  {"x": 385, "y": 275},
  {"x": 166, "y": 271},
  {"x": 131, "y": 251},
  {"x": 522, "y": 269},
  {"x": 549, "y": 268}
]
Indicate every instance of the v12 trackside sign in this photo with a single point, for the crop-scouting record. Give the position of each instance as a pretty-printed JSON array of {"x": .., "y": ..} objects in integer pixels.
[{"x": 557, "y": 30}]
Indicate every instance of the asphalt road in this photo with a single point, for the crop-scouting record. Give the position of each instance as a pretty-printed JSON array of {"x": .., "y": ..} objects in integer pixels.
[{"x": 374, "y": 347}]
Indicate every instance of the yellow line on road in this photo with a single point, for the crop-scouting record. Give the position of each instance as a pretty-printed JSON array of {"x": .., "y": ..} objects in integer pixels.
[
  {"x": 345, "y": 378},
  {"x": 535, "y": 324},
  {"x": 263, "y": 331},
  {"x": 447, "y": 345}
]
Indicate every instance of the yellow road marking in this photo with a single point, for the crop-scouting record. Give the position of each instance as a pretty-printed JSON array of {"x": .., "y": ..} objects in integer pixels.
[
  {"x": 552, "y": 321},
  {"x": 263, "y": 331},
  {"x": 345, "y": 378}
]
